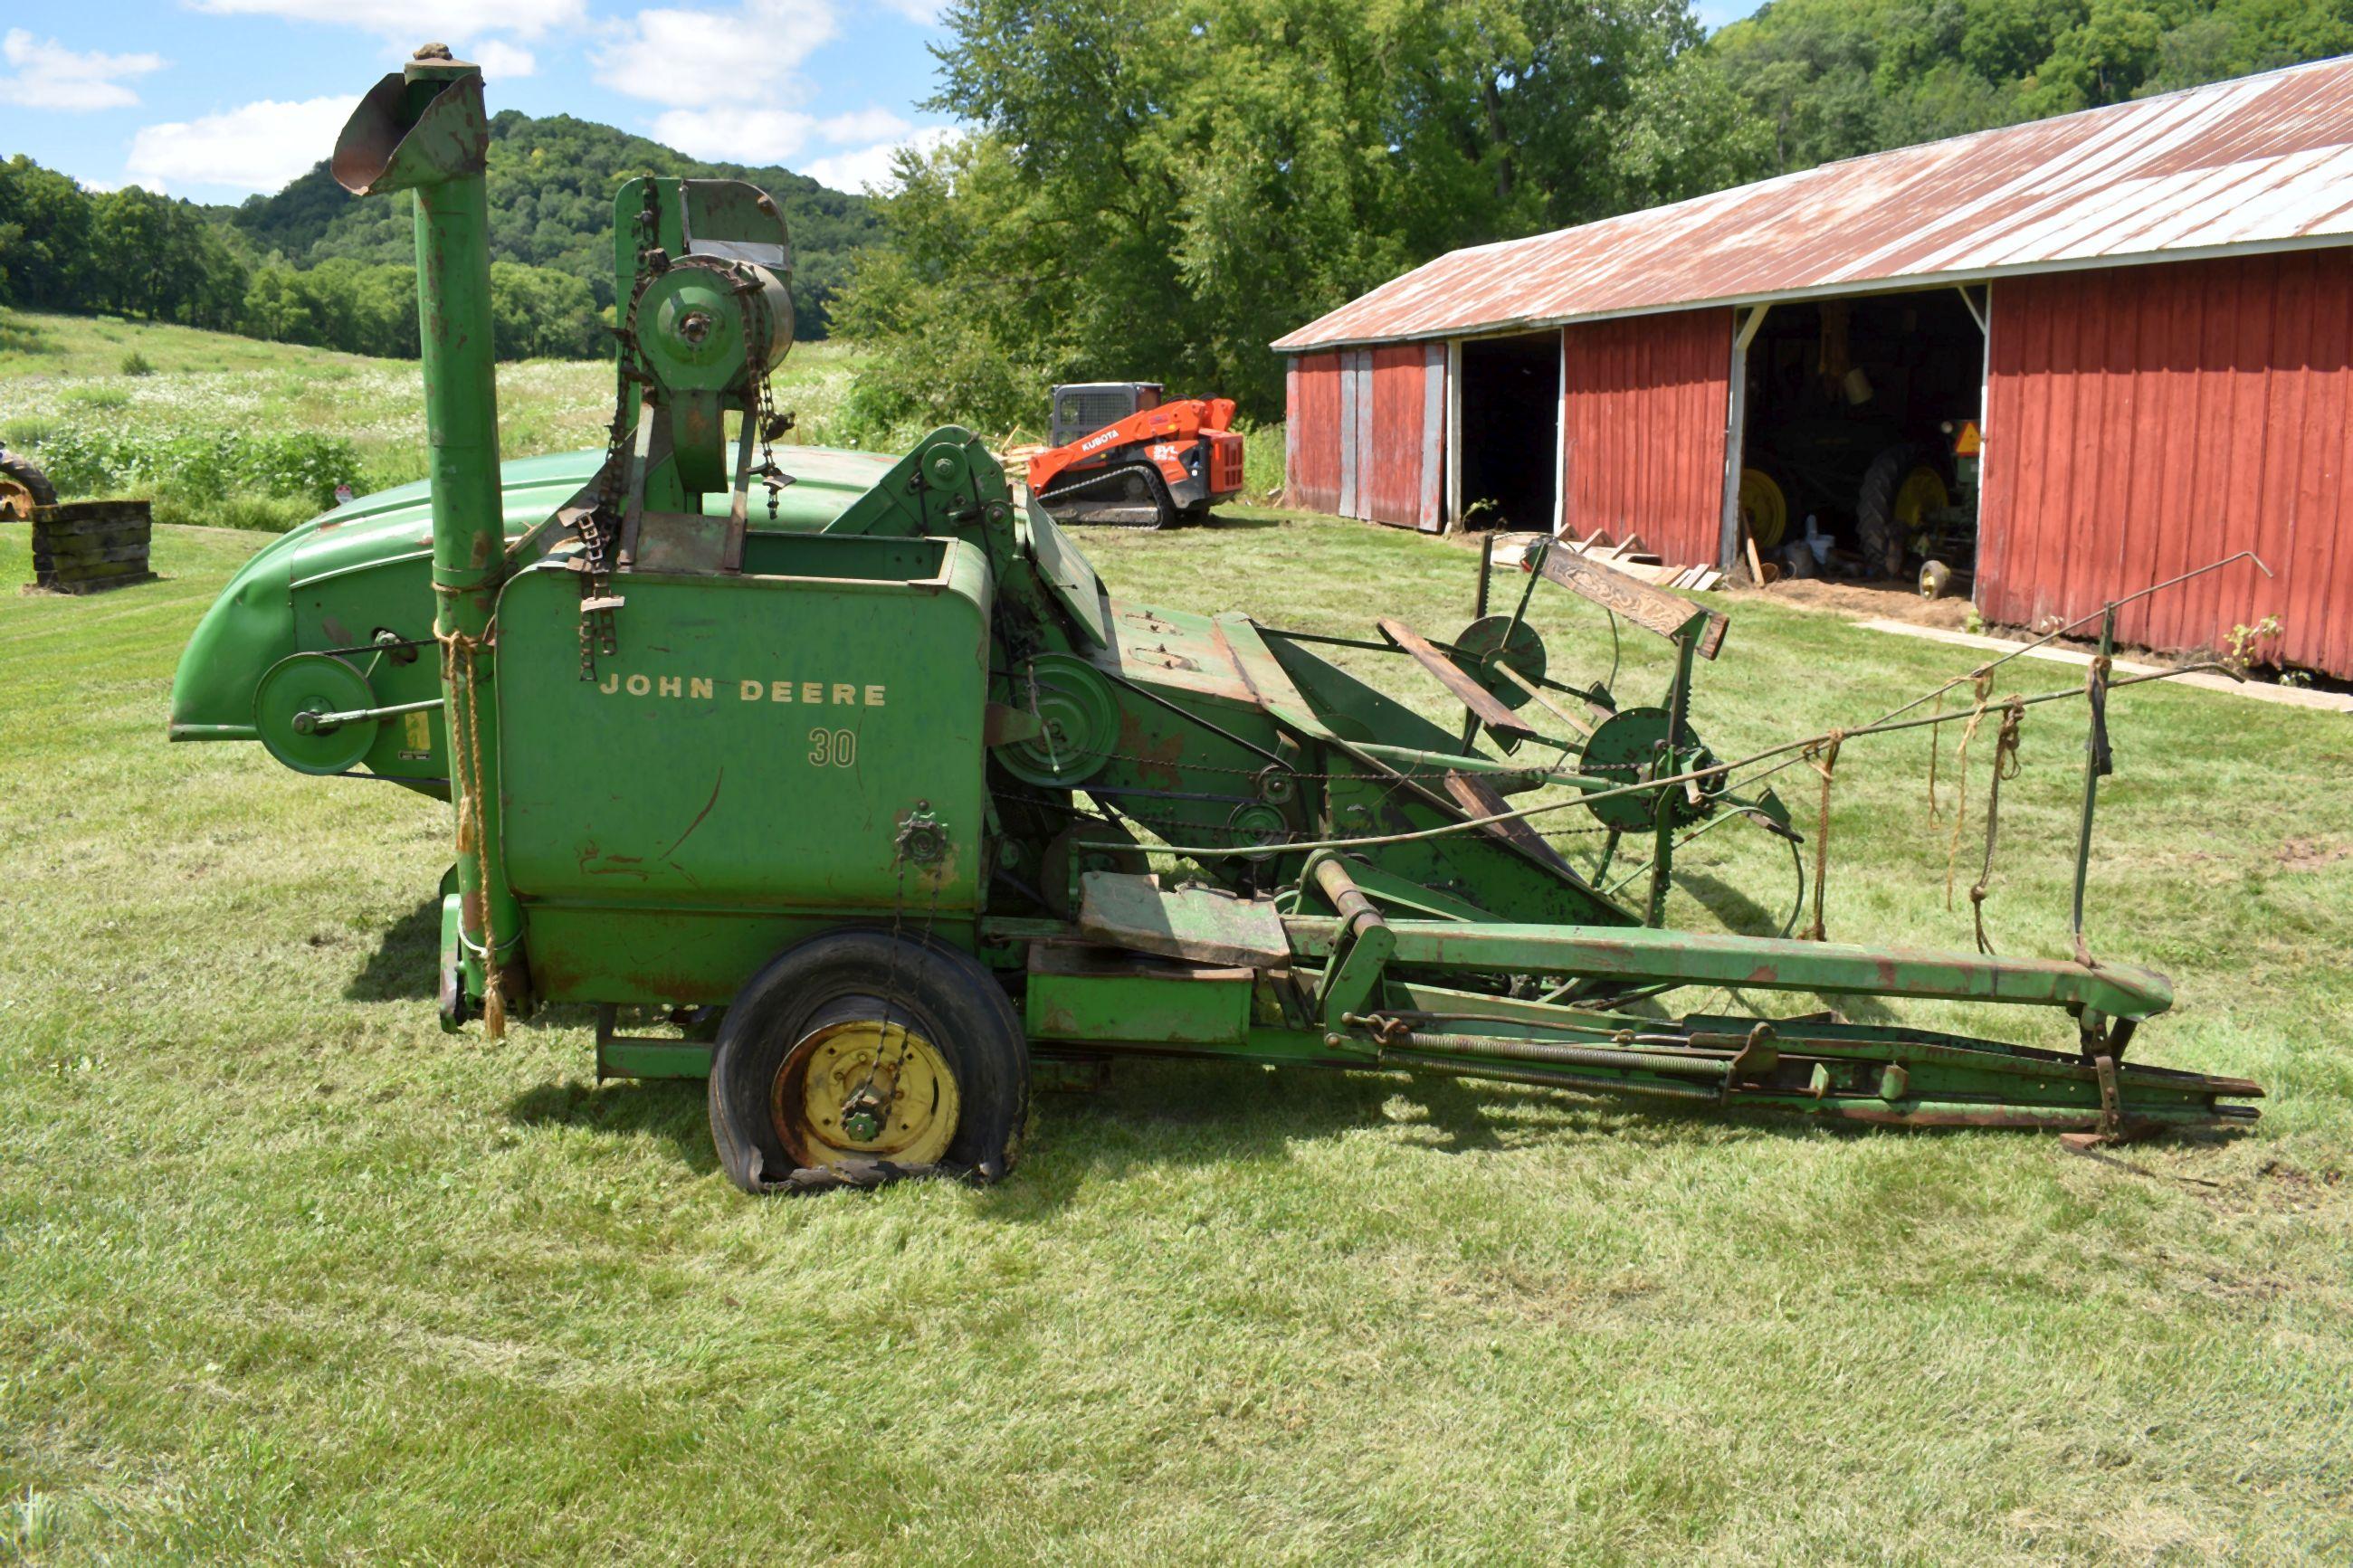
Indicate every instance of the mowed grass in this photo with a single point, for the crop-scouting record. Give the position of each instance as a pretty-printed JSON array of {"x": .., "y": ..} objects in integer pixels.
[{"x": 286, "y": 1275}]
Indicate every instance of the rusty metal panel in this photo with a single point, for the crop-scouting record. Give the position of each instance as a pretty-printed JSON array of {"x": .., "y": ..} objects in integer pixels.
[
  {"x": 2144, "y": 423},
  {"x": 1312, "y": 442},
  {"x": 2264, "y": 161},
  {"x": 1433, "y": 438},
  {"x": 1642, "y": 413}
]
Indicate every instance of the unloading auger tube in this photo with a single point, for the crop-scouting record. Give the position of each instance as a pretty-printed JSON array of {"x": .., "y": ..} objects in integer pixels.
[{"x": 869, "y": 805}]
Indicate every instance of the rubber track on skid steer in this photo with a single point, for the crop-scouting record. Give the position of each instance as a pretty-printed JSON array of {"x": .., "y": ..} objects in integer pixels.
[{"x": 1109, "y": 511}]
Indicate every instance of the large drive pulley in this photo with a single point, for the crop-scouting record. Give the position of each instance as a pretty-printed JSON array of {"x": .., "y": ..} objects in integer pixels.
[
  {"x": 297, "y": 711},
  {"x": 1078, "y": 720}
]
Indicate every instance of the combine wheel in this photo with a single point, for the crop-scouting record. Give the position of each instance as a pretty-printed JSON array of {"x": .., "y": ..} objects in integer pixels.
[
  {"x": 859, "y": 1057},
  {"x": 1891, "y": 510},
  {"x": 1935, "y": 579},
  {"x": 22, "y": 487}
]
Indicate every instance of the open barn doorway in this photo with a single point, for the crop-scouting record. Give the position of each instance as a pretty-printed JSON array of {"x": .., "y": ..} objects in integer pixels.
[
  {"x": 1859, "y": 436},
  {"x": 1510, "y": 432}
]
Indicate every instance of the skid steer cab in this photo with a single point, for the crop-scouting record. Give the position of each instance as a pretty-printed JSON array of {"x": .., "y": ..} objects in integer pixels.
[{"x": 1122, "y": 455}]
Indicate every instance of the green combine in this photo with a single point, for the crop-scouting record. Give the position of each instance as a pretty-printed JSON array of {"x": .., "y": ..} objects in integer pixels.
[{"x": 854, "y": 778}]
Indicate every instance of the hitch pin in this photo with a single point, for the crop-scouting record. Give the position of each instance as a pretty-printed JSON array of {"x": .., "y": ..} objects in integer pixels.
[{"x": 308, "y": 723}]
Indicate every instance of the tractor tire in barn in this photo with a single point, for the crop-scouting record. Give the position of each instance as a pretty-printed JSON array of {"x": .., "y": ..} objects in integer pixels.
[
  {"x": 22, "y": 487},
  {"x": 1764, "y": 507},
  {"x": 1899, "y": 490}
]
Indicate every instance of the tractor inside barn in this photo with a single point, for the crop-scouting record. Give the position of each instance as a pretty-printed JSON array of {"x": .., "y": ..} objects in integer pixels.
[{"x": 1853, "y": 412}]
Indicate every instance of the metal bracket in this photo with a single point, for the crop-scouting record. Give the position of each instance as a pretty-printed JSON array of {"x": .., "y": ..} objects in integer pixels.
[
  {"x": 1365, "y": 943},
  {"x": 645, "y": 1056}
]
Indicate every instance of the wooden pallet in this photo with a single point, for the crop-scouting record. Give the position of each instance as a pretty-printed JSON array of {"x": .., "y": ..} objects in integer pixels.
[{"x": 90, "y": 546}]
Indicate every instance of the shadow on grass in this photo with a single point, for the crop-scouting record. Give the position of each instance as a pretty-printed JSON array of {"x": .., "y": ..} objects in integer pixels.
[
  {"x": 401, "y": 967},
  {"x": 1741, "y": 914},
  {"x": 671, "y": 1110},
  {"x": 1163, "y": 1115}
]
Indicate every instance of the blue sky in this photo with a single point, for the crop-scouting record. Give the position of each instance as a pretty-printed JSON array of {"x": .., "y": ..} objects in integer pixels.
[{"x": 215, "y": 100}]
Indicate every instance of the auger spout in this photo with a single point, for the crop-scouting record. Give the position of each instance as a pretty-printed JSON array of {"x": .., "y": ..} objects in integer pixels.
[{"x": 424, "y": 129}]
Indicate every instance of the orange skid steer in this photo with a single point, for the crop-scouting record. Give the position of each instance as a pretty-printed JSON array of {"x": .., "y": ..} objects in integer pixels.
[{"x": 1121, "y": 455}]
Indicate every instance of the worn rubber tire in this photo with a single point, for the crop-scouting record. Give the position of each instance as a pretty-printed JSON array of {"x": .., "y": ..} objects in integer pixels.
[
  {"x": 25, "y": 472},
  {"x": 944, "y": 995},
  {"x": 1881, "y": 536}
]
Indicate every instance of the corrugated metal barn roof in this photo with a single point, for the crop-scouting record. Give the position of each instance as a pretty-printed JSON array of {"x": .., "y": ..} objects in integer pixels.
[{"x": 2263, "y": 163}]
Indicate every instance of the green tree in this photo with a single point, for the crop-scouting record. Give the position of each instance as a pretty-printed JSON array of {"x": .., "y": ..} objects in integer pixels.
[
  {"x": 1157, "y": 190},
  {"x": 44, "y": 245},
  {"x": 1839, "y": 78}
]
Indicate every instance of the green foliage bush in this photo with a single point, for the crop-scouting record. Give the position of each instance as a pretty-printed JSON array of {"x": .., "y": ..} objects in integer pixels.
[
  {"x": 197, "y": 468},
  {"x": 135, "y": 363}
]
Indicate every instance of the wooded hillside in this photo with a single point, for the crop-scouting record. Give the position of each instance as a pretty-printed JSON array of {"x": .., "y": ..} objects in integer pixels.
[
  {"x": 1832, "y": 78},
  {"x": 313, "y": 265}
]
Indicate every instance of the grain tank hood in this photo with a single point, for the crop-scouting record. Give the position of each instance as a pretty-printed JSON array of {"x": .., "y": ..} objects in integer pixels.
[{"x": 338, "y": 579}]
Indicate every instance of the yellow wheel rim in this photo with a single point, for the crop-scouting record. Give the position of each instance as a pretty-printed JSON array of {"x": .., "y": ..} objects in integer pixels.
[
  {"x": 1922, "y": 492},
  {"x": 1762, "y": 508},
  {"x": 859, "y": 1090}
]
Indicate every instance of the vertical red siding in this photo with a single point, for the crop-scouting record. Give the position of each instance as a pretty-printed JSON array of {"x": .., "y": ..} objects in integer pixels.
[
  {"x": 1642, "y": 430},
  {"x": 1391, "y": 472},
  {"x": 2141, "y": 422},
  {"x": 1313, "y": 438}
]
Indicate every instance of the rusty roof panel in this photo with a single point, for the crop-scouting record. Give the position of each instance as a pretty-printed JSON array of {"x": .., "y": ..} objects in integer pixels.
[{"x": 2264, "y": 162}]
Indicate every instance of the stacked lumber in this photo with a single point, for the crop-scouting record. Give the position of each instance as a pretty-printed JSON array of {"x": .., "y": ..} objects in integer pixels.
[
  {"x": 85, "y": 547},
  {"x": 1628, "y": 555},
  {"x": 1016, "y": 460}
]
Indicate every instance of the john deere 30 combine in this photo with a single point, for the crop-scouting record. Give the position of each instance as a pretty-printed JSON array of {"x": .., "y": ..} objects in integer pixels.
[{"x": 865, "y": 756}]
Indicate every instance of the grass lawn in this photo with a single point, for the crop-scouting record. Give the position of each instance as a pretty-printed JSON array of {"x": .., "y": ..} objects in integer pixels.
[{"x": 289, "y": 1276}]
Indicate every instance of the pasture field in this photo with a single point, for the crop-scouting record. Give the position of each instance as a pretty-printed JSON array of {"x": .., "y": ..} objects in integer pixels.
[
  {"x": 289, "y": 1276},
  {"x": 62, "y": 379}
]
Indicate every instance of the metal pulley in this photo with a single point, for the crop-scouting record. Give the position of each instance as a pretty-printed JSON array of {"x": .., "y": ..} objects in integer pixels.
[
  {"x": 1078, "y": 722},
  {"x": 706, "y": 323},
  {"x": 315, "y": 714},
  {"x": 1492, "y": 641}
]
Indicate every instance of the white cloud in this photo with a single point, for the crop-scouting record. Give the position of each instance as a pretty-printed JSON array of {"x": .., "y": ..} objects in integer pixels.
[
  {"x": 924, "y": 11},
  {"x": 869, "y": 168},
  {"x": 500, "y": 62},
  {"x": 686, "y": 57},
  {"x": 416, "y": 20},
  {"x": 732, "y": 135},
  {"x": 872, "y": 123},
  {"x": 50, "y": 76},
  {"x": 255, "y": 147}
]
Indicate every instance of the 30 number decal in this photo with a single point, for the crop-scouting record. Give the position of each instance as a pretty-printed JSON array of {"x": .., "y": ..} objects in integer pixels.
[{"x": 833, "y": 748}]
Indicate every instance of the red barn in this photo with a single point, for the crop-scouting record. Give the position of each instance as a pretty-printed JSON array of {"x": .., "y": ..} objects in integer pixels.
[{"x": 2146, "y": 310}]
